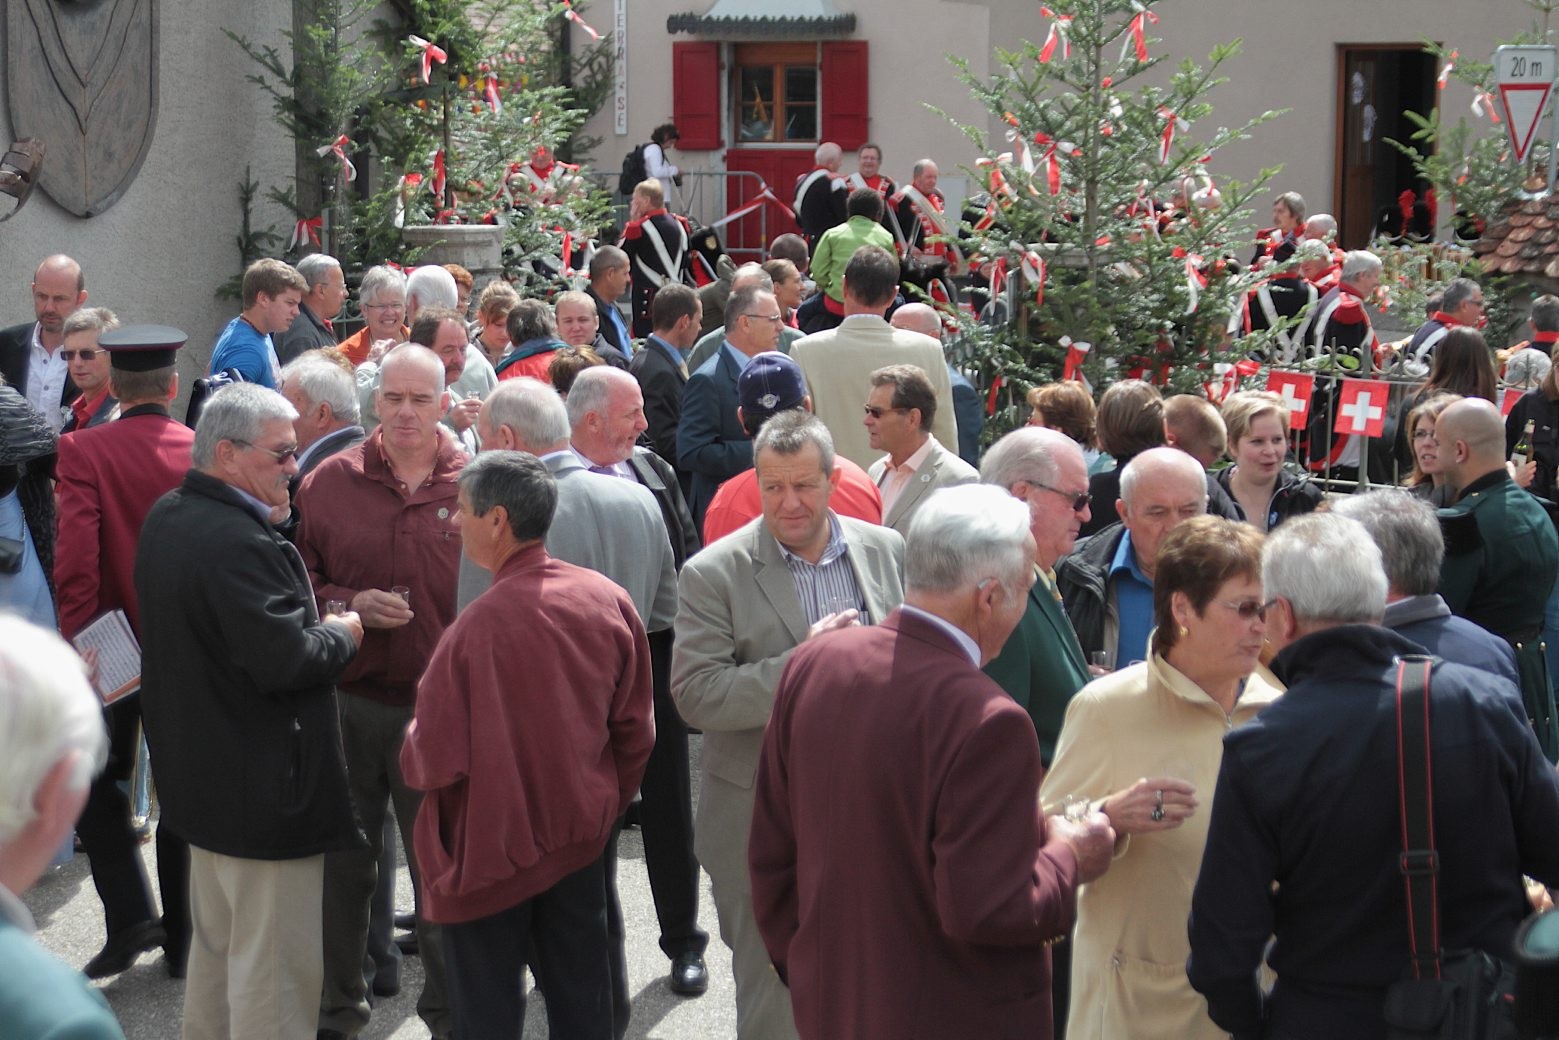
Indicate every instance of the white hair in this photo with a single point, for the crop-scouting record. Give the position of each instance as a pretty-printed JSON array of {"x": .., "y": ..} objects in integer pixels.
[
  {"x": 1359, "y": 261},
  {"x": 529, "y": 407},
  {"x": 1027, "y": 453},
  {"x": 1327, "y": 567},
  {"x": 316, "y": 266},
  {"x": 1162, "y": 462},
  {"x": 236, "y": 413},
  {"x": 47, "y": 711},
  {"x": 964, "y": 536},
  {"x": 432, "y": 286},
  {"x": 379, "y": 280},
  {"x": 323, "y": 382},
  {"x": 592, "y": 389}
]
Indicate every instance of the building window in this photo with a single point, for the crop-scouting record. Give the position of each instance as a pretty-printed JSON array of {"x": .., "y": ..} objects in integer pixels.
[{"x": 775, "y": 92}]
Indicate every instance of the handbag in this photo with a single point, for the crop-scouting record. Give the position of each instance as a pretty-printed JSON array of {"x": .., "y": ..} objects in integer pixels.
[
  {"x": 11, "y": 552},
  {"x": 1452, "y": 994}
]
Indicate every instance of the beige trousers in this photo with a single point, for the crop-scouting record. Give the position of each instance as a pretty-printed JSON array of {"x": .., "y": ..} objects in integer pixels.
[{"x": 256, "y": 961}]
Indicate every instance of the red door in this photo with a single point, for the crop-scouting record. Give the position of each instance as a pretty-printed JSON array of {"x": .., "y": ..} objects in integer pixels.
[{"x": 778, "y": 168}]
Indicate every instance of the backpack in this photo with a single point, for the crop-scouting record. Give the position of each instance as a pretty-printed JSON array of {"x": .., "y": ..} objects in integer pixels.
[
  {"x": 634, "y": 171},
  {"x": 201, "y": 392}
]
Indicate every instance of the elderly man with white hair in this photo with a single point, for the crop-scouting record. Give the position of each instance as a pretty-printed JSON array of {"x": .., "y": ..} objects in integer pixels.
[
  {"x": 821, "y": 193},
  {"x": 1107, "y": 583},
  {"x": 52, "y": 742},
  {"x": 326, "y": 399},
  {"x": 854, "y": 900},
  {"x": 238, "y": 700},
  {"x": 1310, "y": 795}
]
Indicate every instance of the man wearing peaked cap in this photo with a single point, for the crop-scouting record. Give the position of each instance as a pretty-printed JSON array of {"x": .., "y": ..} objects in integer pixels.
[
  {"x": 108, "y": 478},
  {"x": 770, "y": 384}
]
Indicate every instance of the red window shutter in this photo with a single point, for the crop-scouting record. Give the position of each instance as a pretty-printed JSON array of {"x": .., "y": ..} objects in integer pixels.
[
  {"x": 695, "y": 88},
  {"x": 846, "y": 112}
]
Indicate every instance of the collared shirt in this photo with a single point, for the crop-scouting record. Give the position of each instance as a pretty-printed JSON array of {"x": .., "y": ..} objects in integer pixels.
[
  {"x": 83, "y": 410},
  {"x": 896, "y": 478},
  {"x": 1133, "y": 593},
  {"x": 616, "y": 469},
  {"x": 671, "y": 353},
  {"x": 741, "y": 359},
  {"x": 254, "y": 505},
  {"x": 46, "y": 376},
  {"x": 827, "y": 586},
  {"x": 970, "y": 648},
  {"x": 624, "y": 335}
]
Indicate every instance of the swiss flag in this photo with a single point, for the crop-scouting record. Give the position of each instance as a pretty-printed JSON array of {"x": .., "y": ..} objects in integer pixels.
[
  {"x": 1361, "y": 407},
  {"x": 1296, "y": 389},
  {"x": 1509, "y": 401}
]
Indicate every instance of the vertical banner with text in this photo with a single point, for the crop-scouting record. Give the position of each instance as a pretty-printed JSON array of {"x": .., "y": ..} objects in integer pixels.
[{"x": 620, "y": 67}]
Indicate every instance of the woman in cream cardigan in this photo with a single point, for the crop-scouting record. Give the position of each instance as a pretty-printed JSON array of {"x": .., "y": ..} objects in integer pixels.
[{"x": 1146, "y": 742}]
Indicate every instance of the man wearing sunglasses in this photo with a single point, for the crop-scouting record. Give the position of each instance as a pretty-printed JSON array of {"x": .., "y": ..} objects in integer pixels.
[
  {"x": 238, "y": 676},
  {"x": 88, "y": 366}
]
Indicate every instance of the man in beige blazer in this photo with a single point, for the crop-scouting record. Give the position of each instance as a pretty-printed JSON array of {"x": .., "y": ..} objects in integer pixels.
[
  {"x": 900, "y": 411},
  {"x": 838, "y": 363},
  {"x": 747, "y": 601}
]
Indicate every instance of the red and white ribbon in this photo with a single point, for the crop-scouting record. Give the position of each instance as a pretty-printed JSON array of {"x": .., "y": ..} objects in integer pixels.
[
  {"x": 1483, "y": 104},
  {"x": 339, "y": 147},
  {"x": 1034, "y": 274},
  {"x": 490, "y": 87},
  {"x": 304, "y": 232},
  {"x": 573, "y": 16},
  {"x": 1060, "y": 26},
  {"x": 992, "y": 168},
  {"x": 1193, "y": 281},
  {"x": 1052, "y": 161},
  {"x": 1445, "y": 71},
  {"x": 1137, "y": 33},
  {"x": 1172, "y": 122},
  {"x": 1230, "y": 376},
  {"x": 431, "y": 52},
  {"x": 1076, "y": 353}
]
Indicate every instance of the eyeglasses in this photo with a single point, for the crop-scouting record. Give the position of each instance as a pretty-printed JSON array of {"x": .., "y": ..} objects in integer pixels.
[
  {"x": 877, "y": 413},
  {"x": 1249, "y": 608},
  {"x": 775, "y": 318},
  {"x": 382, "y": 306},
  {"x": 281, "y": 455},
  {"x": 1079, "y": 499},
  {"x": 85, "y": 353}
]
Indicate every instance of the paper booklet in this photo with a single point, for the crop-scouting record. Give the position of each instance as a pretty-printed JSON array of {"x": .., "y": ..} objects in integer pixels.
[{"x": 118, "y": 655}]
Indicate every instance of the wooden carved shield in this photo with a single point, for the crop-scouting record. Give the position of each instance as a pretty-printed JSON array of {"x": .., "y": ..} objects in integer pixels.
[{"x": 81, "y": 76}]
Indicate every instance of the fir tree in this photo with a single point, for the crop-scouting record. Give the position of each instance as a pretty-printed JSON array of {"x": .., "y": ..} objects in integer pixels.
[{"x": 1094, "y": 151}]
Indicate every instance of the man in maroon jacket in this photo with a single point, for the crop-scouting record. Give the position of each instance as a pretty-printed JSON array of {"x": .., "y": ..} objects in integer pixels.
[
  {"x": 528, "y": 757},
  {"x": 107, "y": 479},
  {"x": 904, "y": 878},
  {"x": 377, "y": 530}
]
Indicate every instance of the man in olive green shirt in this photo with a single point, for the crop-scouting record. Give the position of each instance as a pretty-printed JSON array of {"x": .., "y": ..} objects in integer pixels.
[{"x": 838, "y": 244}]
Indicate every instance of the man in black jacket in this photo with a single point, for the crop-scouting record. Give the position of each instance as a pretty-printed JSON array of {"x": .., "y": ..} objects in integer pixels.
[
  {"x": 661, "y": 371},
  {"x": 1307, "y": 797},
  {"x": 1107, "y": 581},
  {"x": 240, "y": 713},
  {"x": 609, "y": 278},
  {"x": 30, "y": 357}
]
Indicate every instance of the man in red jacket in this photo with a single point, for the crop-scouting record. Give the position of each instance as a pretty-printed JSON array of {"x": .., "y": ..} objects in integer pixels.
[
  {"x": 904, "y": 878},
  {"x": 107, "y": 479},
  {"x": 526, "y": 769},
  {"x": 377, "y": 531}
]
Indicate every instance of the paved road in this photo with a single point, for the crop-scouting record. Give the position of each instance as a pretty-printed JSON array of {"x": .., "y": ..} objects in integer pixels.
[{"x": 148, "y": 1003}]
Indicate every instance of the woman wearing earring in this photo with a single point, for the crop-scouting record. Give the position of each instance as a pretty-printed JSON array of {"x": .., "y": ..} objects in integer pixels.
[{"x": 1144, "y": 745}]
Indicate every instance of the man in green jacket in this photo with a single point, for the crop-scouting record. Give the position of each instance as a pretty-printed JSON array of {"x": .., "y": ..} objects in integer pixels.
[
  {"x": 1042, "y": 664},
  {"x": 1501, "y": 552},
  {"x": 863, "y": 211}
]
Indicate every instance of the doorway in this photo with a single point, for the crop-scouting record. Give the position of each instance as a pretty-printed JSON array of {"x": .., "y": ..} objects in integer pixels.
[{"x": 1376, "y": 83}]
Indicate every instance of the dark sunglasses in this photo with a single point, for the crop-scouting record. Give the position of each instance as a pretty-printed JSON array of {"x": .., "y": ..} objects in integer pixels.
[
  {"x": 1080, "y": 500},
  {"x": 877, "y": 413},
  {"x": 85, "y": 353}
]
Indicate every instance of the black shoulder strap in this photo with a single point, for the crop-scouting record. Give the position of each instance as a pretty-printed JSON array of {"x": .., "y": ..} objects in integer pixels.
[{"x": 1420, "y": 864}]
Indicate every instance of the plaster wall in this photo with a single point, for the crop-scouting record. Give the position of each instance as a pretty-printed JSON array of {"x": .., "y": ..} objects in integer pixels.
[{"x": 158, "y": 254}]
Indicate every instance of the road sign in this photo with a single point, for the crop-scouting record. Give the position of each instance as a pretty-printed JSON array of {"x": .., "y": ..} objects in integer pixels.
[{"x": 1526, "y": 77}]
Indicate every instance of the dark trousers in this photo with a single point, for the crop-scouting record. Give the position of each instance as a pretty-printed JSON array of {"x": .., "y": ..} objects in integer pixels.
[
  {"x": 110, "y": 841},
  {"x": 562, "y": 933},
  {"x": 666, "y": 816}
]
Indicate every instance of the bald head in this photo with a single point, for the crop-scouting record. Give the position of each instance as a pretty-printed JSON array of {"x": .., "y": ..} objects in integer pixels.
[
  {"x": 1159, "y": 488},
  {"x": 1471, "y": 435},
  {"x": 828, "y": 155},
  {"x": 417, "y": 362},
  {"x": 752, "y": 274},
  {"x": 918, "y": 317}
]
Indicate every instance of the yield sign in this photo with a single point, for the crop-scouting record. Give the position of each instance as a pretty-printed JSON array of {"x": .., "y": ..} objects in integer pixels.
[{"x": 1526, "y": 77}]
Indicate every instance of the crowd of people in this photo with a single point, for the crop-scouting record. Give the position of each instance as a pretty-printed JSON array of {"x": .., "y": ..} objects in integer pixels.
[{"x": 1069, "y": 734}]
